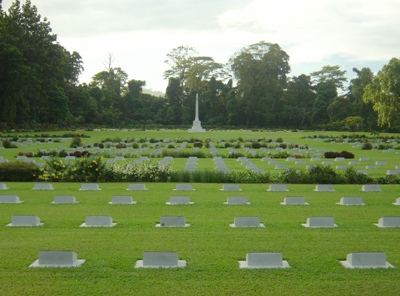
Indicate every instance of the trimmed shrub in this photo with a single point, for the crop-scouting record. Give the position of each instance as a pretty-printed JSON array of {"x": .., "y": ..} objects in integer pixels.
[
  {"x": 8, "y": 144},
  {"x": 324, "y": 174},
  {"x": 345, "y": 154},
  {"x": 76, "y": 142},
  {"x": 18, "y": 171}
]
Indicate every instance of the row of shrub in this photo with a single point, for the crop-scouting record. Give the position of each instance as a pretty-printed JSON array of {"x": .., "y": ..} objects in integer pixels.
[
  {"x": 94, "y": 169},
  {"x": 345, "y": 154}
]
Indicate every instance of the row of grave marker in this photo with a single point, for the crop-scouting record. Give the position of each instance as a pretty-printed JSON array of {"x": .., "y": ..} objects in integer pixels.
[
  {"x": 256, "y": 260},
  {"x": 185, "y": 200},
  {"x": 188, "y": 187},
  {"x": 180, "y": 221}
]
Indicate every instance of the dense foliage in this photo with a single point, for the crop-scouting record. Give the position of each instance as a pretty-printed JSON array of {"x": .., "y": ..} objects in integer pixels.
[{"x": 39, "y": 84}]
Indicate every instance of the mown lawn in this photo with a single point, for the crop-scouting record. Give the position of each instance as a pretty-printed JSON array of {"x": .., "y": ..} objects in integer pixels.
[{"x": 210, "y": 247}]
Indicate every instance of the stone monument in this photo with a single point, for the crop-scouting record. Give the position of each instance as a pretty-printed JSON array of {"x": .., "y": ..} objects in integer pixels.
[{"x": 196, "y": 128}]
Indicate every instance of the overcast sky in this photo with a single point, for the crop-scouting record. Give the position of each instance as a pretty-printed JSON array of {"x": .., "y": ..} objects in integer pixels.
[{"x": 140, "y": 33}]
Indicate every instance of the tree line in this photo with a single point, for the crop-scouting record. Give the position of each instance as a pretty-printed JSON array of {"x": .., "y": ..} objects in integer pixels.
[{"x": 39, "y": 84}]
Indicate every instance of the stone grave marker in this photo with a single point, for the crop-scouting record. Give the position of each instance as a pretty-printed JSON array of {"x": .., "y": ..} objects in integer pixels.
[
  {"x": 320, "y": 222},
  {"x": 230, "y": 187},
  {"x": 388, "y": 222},
  {"x": 89, "y": 186},
  {"x": 42, "y": 186},
  {"x": 277, "y": 187},
  {"x": 340, "y": 159},
  {"x": 160, "y": 260},
  {"x": 121, "y": 200},
  {"x": 351, "y": 201},
  {"x": 57, "y": 259},
  {"x": 136, "y": 187},
  {"x": 294, "y": 200},
  {"x": 247, "y": 222},
  {"x": 341, "y": 167},
  {"x": 371, "y": 187},
  {"x": 363, "y": 159},
  {"x": 179, "y": 200},
  {"x": 98, "y": 221},
  {"x": 392, "y": 172},
  {"x": 237, "y": 200},
  {"x": 397, "y": 202},
  {"x": 64, "y": 199},
  {"x": 324, "y": 187},
  {"x": 263, "y": 260},
  {"x": 25, "y": 221},
  {"x": 380, "y": 162},
  {"x": 183, "y": 187},
  {"x": 371, "y": 167},
  {"x": 9, "y": 199},
  {"x": 366, "y": 260},
  {"x": 327, "y": 162},
  {"x": 172, "y": 221},
  {"x": 3, "y": 186}
]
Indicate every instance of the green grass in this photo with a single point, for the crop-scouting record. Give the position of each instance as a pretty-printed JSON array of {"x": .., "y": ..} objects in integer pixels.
[{"x": 210, "y": 247}]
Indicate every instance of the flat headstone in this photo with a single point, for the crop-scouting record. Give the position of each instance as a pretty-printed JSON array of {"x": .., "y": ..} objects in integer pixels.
[
  {"x": 392, "y": 172},
  {"x": 324, "y": 187},
  {"x": 57, "y": 259},
  {"x": 294, "y": 200},
  {"x": 351, "y": 201},
  {"x": 371, "y": 167},
  {"x": 172, "y": 221},
  {"x": 183, "y": 187},
  {"x": 121, "y": 200},
  {"x": 354, "y": 162},
  {"x": 247, "y": 222},
  {"x": 397, "y": 202},
  {"x": 388, "y": 222},
  {"x": 320, "y": 222},
  {"x": 136, "y": 187},
  {"x": 366, "y": 260},
  {"x": 64, "y": 199},
  {"x": 236, "y": 200},
  {"x": 9, "y": 199},
  {"x": 160, "y": 260},
  {"x": 277, "y": 187},
  {"x": 179, "y": 200},
  {"x": 98, "y": 221},
  {"x": 327, "y": 162},
  {"x": 3, "y": 186},
  {"x": 363, "y": 159},
  {"x": 263, "y": 260},
  {"x": 341, "y": 167},
  {"x": 281, "y": 167},
  {"x": 381, "y": 162},
  {"x": 42, "y": 186},
  {"x": 371, "y": 187},
  {"x": 89, "y": 186},
  {"x": 230, "y": 187},
  {"x": 339, "y": 159},
  {"x": 25, "y": 221}
]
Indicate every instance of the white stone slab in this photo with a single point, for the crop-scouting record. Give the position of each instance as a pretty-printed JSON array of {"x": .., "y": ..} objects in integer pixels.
[
  {"x": 351, "y": 201},
  {"x": 389, "y": 222},
  {"x": 364, "y": 159},
  {"x": 263, "y": 260},
  {"x": 183, "y": 187},
  {"x": 247, "y": 222},
  {"x": 366, "y": 260},
  {"x": 281, "y": 167},
  {"x": 42, "y": 186},
  {"x": 98, "y": 221},
  {"x": 371, "y": 187},
  {"x": 397, "y": 202},
  {"x": 340, "y": 159},
  {"x": 122, "y": 200},
  {"x": 324, "y": 187},
  {"x": 327, "y": 162},
  {"x": 3, "y": 186},
  {"x": 392, "y": 172},
  {"x": 371, "y": 167},
  {"x": 160, "y": 260},
  {"x": 294, "y": 200},
  {"x": 237, "y": 200},
  {"x": 89, "y": 186},
  {"x": 320, "y": 222},
  {"x": 4, "y": 198},
  {"x": 230, "y": 187},
  {"x": 277, "y": 187},
  {"x": 172, "y": 221},
  {"x": 25, "y": 221},
  {"x": 381, "y": 162},
  {"x": 179, "y": 200},
  {"x": 341, "y": 167},
  {"x": 64, "y": 199},
  {"x": 59, "y": 259},
  {"x": 136, "y": 187}
]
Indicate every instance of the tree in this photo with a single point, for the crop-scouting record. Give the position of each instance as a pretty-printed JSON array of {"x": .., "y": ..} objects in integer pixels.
[
  {"x": 384, "y": 93},
  {"x": 330, "y": 74},
  {"x": 339, "y": 109},
  {"x": 260, "y": 70},
  {"x": 326, "y": 92}
]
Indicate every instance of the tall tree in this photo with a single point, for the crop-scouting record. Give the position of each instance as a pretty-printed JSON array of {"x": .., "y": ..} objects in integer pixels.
[
  {"x": 330, "y": 74},
  {"x": 260, "y": 70},
  {"x": 384, "y": 93},
  {"x": 326, "y": 92}
]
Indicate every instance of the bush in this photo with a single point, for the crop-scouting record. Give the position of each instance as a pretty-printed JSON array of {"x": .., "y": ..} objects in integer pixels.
[
  {"x": 279, "y": 140},
  {"x": 255, "y": 145},
  {"x": 8, "y": 144},
  {"x": 197, "y": 144},
  {"x": 18, "y": 171},
  {"x": 76, "y": 142},
  {"x": 345, "y": 154},
  {"x": 324, "y": 174},
  {"x": 367, "y": 146}
]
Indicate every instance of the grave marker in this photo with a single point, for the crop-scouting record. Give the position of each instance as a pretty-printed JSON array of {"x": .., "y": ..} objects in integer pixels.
[
  {"x": 3, "y": 186},
  {"x": 294, "y": 200},
  {"x": 42, "y": 186},
  {"x": 89, "y": 186},
  {"x": 136, "y": 187},
  {"x": 320, "y": 222},
  {"x": 277, "y": 187},
  {"x": 25, "y": 221},
  {"x": 264, "y": 260},
  {"x": 351, "y": 201},
  {"x": 57, "y": 259},
  {"x": 98, "y": 221},
  {"x": 324, "y": 187},
  {"x": 160, "y": 260},
  {"x": 388, "y": 222},
  {"x": 183, "y": 187},
  {"x": 397, "y": 202},
  {"x": 237, "y": 200},
  {"x": 179, "y": 200},
  {"x": 64, "y": 199},
  {"x": 121, "y": 200},
  {"x": 9, "y": 199},
  {"x": 172, "y": 221},
  {"x": 371, "y": 187},
  {"x": 247, "y": 222},
  {"x": 366, "y": 260},
  {"x": 230, "y": 187}
]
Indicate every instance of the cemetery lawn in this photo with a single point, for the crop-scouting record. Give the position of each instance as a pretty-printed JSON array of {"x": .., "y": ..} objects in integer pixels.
[{"x": 211, "y": 248}]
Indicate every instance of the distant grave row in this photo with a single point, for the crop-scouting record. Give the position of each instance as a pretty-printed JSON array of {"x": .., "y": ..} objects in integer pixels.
[{"x": 254, "y": 260}]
